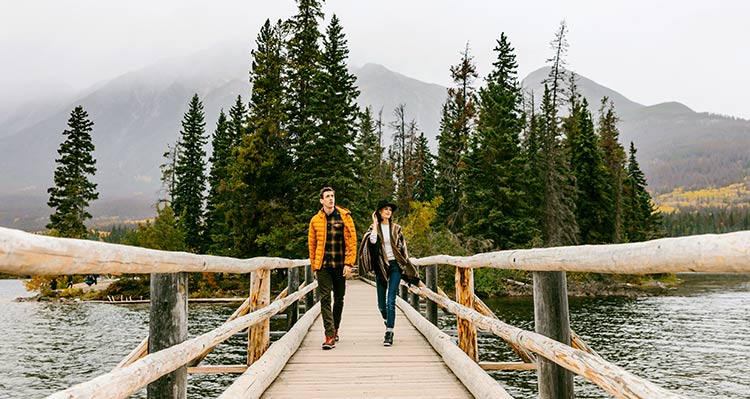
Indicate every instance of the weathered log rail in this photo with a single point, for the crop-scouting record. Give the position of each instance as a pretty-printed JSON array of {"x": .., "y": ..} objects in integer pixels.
[
  {"x": 25, "y": 254},
  {"x": 125, "y": 381}
]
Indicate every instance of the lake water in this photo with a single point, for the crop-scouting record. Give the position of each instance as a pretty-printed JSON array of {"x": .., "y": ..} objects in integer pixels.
[{"x": 695, "y": 341}]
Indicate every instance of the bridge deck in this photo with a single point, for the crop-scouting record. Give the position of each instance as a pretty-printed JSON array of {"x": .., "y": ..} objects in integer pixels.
[{"x": 360, "y": 366}]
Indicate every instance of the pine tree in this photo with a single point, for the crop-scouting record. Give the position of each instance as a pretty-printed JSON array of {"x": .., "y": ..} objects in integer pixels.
[
  {"x": 237, "y": 122},
  {"x": 402, "y": 154},
  {"x": 495, "y": 180},
  {"x": 218, "y": 236},
  {"x": 262, "y": 176},
  {"x": 642, "y": 221},
  {"x": 73, "y": 188},
  {"x": 593, "y": 186},
  {"x": 387, "y": 168},
  {"x": 424, "y": 168},
  {"x": 302, "y": 99},
  {"x": 456, "y": 125},
  {"x": 190, "y": 178},
  {"x": 337, "y": 112},
  {"x": 369, "y": 153},
  {"x": 168, "y": 172},
  {"x": 558, "y": 72},
  {"x": 614, "y": 159},
  {"x": 559, "y": 225}
]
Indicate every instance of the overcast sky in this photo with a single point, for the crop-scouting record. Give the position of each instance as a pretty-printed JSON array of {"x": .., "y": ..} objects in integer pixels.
[{"x": 694, "y": 52}]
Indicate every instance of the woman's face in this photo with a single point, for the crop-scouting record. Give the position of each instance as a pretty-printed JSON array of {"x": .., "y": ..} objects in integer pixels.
[{"x": 385, "y": 212}]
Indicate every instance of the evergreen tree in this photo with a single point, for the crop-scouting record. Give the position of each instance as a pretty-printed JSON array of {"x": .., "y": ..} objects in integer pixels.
[
  {"x": 190, "y": 178},
  {"x": 369, "y": 153},
  {"x": 168, "y": 171},
  {"x": 260, "y": 217},
  {"x": 642, "y": 219},
  {"x": 614, "y": 159},
  {"x": 338, "y": 111},
  {"x": 559, "y": 224},
  {"x": 302, "y": 98},
  {"x": 424, "y": 168},
  {"x": 73, "y": 189},
  {"x": 456, "y": 125},
  {"x": 593, "y": 187},
  {"x": 387, "y": 168},
  {"x": 558, "y": 62},
  {"x": 217, "y": 236},
  {"x": 237, "y": 124},
  {"x": 495, "y": 180},
  {"x": 402, "y": 155}
]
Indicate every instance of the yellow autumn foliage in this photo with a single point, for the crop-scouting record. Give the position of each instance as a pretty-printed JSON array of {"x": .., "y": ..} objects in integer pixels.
[{"x": 735, "y": 195}]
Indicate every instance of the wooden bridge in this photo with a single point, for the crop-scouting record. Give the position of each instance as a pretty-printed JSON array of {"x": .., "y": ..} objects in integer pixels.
[{"x": 424, "y": 362}]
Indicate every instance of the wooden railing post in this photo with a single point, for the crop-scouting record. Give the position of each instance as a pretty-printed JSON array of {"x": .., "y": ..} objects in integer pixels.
[
  {"x": 467, "y": 332},
  {"x": 404, "y": 292},
  {"x": 292, "y": 312},
  {"x": 259, "y": 335},
  {"x": 309, "y": 278},
  {"x": 431, "y": 281},
  {"x": 167, "y": 327},
  {"x": 552, "y": 320}
]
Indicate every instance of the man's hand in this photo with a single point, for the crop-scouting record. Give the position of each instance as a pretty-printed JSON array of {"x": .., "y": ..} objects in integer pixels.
[{"x": 347, "y": 272}]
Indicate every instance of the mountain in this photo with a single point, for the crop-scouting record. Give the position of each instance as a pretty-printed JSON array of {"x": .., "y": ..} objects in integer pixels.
[
  {"x": 677, "y": 147},
  {"x": 137, "y": 114}
]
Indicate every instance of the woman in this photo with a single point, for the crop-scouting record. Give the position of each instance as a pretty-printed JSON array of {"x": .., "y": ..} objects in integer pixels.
[{"x": 385, "y": 254}]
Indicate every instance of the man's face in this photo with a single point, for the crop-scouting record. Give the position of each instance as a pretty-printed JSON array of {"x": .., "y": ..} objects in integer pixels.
[{"x": 328, "y": 200}]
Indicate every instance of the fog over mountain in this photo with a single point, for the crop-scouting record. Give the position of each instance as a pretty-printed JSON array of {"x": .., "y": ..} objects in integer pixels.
[{"x": 137, "y": 114}]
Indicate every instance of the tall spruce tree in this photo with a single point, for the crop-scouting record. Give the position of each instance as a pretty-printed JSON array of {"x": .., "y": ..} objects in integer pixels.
[
  {"x": 642, "y": 221},
  {"x": 424, "y": 169},
  {"x": 302, "y": 98},
  {"x": 456, "y": 124},
  {"x": 237, "y": 122},
  {"x": 369, "y": 153},
  {"x": 495, "y": 180},
  {"x": 559, "y": 225},
  {"x": 593, "y": 186},
  {"x": 73, "y": 189},
  {"x": 262, "y": 174},
  {"x": 217, "y": 232},
  {"x": 190, "y": 177},
  {"x": 338, "y": 111},
  {"x": 558, "y": 73},
  {"x": 614, "y": 159}
]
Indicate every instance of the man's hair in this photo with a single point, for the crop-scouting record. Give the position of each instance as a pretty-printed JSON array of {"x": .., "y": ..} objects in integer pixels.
[{"x": 323, "y": 191}]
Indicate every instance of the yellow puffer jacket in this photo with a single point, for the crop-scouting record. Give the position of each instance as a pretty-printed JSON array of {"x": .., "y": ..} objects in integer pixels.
[{"x": 316, "y": 238}]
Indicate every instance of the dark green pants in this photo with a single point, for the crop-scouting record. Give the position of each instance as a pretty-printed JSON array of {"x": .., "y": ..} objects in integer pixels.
[{"x": 331, "y": 280}]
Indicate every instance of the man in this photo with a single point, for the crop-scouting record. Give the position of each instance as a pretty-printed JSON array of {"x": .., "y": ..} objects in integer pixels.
[{"x": 332, "y": 241}]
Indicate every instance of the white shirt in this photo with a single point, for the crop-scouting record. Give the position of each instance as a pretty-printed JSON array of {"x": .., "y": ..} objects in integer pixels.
[{"x": 386, "y": 240}]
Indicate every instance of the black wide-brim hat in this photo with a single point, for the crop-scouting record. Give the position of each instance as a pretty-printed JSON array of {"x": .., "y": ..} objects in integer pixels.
[{"x": 383, "y": 203}]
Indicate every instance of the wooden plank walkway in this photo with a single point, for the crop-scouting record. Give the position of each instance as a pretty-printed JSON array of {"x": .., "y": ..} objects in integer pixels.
[{"x": 360, "y": 366}]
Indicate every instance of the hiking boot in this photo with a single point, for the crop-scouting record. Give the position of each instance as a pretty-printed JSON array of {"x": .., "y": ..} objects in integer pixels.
[
  {"x": 336, "y": 335},
  {"x": 330, "y": 343},
  {"x": 388, "y": 340}
]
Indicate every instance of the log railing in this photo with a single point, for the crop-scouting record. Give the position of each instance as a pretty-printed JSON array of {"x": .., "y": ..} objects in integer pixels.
[
  {"x": 724, "y": 253},
  {"x": 24, "y": 254},
  {"x": 125, "y": 381}
]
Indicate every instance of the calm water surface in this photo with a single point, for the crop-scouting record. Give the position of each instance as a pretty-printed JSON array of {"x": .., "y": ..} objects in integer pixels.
[{"x": 695, "y": 341}]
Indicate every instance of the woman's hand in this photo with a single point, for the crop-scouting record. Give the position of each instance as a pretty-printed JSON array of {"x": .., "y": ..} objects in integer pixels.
[{"x": 374, "y": 220}]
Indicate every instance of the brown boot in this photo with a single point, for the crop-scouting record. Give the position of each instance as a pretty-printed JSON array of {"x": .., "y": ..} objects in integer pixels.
[{"x": 330, "y": 343}]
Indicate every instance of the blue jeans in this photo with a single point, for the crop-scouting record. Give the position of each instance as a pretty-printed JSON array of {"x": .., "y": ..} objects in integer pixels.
[{"x": 387, "y": 306}]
